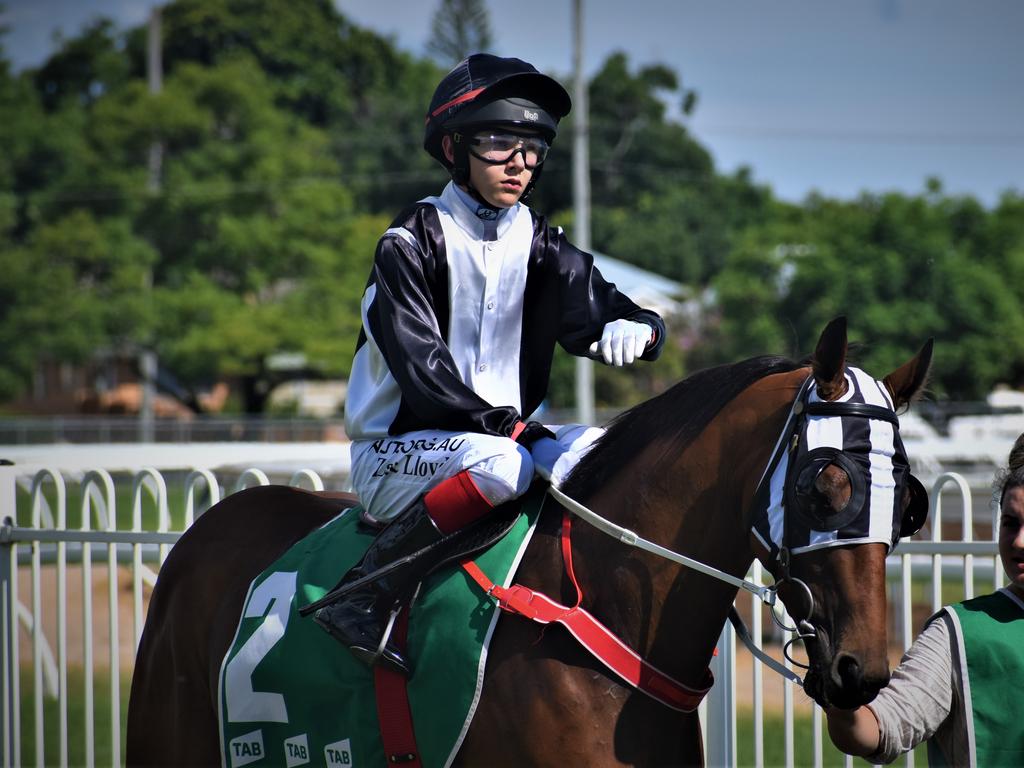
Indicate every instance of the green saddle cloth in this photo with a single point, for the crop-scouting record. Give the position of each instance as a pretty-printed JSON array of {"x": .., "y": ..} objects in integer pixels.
[{"x": 289, "y": 694}]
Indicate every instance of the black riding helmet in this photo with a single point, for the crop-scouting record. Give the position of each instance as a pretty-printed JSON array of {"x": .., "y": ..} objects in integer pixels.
[{"x": 484, "y": 90}]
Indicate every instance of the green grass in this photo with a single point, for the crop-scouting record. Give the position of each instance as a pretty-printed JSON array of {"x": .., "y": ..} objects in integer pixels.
[{"x": 76, "y": 719}]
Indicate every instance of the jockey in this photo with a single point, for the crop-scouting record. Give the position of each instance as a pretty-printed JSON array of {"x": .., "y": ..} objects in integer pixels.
[{"x": 468, "y": 295}]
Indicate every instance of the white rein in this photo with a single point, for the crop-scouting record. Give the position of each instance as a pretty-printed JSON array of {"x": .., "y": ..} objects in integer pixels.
[{"x": 768, "y": 595}]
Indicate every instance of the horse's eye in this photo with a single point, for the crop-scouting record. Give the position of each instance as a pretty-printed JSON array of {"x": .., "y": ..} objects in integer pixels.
[
  {"x": 811, "y": 487},
  {"x": 834, "y": 485}
]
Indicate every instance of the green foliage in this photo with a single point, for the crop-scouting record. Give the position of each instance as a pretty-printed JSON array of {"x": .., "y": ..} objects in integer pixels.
[
  {"x": 251, "y": 243},
  {"x": 75, "y": 286},
  {"x": 83, "y": 69},
  {"x": 633, "y": 146},
  {"x": 902, "y": 269},
  {"x": 657, "y": 201},
  {"x": 368, "y": 96},
  {"x": 288, "y": 137},
  {"x": 300, "y": 46}
]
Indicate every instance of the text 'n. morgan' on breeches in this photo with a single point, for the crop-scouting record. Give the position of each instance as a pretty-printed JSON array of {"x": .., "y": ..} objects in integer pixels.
[{"x": 390, "y": 473}]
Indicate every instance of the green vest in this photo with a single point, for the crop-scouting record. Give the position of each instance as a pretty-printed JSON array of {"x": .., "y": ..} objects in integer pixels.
[{"x": 990, "y": 634}]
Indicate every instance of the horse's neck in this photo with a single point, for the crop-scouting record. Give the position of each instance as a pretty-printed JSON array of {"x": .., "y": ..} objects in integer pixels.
[{"x": 698, "y": 505}]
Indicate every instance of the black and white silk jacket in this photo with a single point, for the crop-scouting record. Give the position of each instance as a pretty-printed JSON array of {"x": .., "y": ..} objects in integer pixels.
[{"x": 461, "y": 315}]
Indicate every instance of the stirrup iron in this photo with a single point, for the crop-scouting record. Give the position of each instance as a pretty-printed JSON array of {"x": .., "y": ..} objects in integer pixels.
[{"x": 386, "y": 635}]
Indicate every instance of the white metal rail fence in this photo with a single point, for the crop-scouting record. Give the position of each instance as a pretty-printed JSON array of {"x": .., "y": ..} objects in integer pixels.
[{"x": 63, "y": 702}]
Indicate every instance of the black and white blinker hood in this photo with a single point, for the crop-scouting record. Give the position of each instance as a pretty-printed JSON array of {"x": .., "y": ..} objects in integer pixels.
[{"x": 860, "y": 434}]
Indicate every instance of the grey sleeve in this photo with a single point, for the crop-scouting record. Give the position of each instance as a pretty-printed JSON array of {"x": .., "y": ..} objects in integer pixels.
[{"x": 919, "y": 696}]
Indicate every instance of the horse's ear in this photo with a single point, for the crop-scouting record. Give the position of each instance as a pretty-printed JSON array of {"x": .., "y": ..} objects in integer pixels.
[
  {"x": 829, "y": 360},
  {"x": 908, "y": 380}
]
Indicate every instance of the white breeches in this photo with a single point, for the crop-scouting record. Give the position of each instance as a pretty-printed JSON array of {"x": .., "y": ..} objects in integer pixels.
[{"x": 390, "y": 473}]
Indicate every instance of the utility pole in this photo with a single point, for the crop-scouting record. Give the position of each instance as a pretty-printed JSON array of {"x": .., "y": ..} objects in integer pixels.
[
  {"x": 581, "y": 199},
  {"x": 147, "y": 357},
  {"x": 155, "y": 76}
]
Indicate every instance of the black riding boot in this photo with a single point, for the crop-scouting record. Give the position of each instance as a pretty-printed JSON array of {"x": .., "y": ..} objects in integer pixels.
[{"x": 358, "y": 620}]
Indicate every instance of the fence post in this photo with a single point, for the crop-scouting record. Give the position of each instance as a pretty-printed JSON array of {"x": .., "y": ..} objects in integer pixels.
[
  {"x": 8, "y": 616},
  {"x": 721, "y": 710}
]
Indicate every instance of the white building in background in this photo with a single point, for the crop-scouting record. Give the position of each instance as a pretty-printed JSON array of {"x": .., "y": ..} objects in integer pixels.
[
  {"x": 1003, "y": 397},
  {"x": 648, "y": 289},
  {"x": 976, "y": 446},
  {"x": 320, "y": 399}
]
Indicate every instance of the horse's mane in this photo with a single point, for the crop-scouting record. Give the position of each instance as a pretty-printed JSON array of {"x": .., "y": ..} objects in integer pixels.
[{"x": 679, "y": 414}]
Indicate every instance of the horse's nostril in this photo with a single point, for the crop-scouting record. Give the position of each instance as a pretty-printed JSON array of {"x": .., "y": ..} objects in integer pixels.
[{"x": 847, "y": 673}]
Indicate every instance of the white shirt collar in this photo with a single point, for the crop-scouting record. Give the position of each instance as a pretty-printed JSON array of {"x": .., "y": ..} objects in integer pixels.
[{"x": 463, "y": 208}]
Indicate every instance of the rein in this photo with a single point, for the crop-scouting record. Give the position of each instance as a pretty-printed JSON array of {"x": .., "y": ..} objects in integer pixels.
[
  {"x": 768, "y": 595},
  {"x": 786, "y": 444}
]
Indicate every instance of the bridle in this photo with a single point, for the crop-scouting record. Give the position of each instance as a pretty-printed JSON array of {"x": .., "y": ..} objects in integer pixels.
[
  {"x": 787, "y": 445},
  {"x": 799, "y": 503},
  {"x": 789, "y": 442}
]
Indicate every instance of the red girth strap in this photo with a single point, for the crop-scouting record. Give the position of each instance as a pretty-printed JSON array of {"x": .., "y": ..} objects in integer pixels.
[
  {"x": 592, "y": 634},
  {"x": 393, "y": 711}
]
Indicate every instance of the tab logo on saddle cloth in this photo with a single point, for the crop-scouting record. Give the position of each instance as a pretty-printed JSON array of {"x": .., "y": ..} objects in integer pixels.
[
  {"x": 296, "y": 750},
  {"x": 338, "y": 754},
  {"x": 247, "y": 748}
]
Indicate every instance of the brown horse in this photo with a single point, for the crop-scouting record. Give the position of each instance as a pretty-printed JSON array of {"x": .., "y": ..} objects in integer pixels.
[{"x": 681, "y": 470}]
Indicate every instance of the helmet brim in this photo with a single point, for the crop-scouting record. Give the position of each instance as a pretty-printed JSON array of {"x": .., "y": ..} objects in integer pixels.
[
  {"x": 509, "y": 112},
  {"x": 544, "y": 91}
]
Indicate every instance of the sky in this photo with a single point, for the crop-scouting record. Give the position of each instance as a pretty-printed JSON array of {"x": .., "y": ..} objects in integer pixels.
[{"x": 838, "y": 97}]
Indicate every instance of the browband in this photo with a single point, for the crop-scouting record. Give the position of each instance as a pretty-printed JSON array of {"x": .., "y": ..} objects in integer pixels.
[{"x": 864, "y": 410}]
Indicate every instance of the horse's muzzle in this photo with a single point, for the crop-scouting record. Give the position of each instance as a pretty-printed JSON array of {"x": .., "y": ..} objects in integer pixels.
[{"x": 844, "y": 685}]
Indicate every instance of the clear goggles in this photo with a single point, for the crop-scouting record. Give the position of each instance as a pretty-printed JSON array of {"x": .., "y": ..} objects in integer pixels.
[{"x": 497, "y": 148}]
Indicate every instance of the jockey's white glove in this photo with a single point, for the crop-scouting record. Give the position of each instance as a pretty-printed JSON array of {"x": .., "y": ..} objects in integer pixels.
[{"x": 622, "y": 342}]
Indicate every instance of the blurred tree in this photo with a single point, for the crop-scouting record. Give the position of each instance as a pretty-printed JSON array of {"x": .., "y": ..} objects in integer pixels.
[
  {"x": 657, "y": 201},
  {"x": 84, "y": 67},
  {"x": 261, "y": 252},
  {"x": 633, "y": 145},
  {"x": 73, "y": 288},
  {"x": 253, "y": 244},
  {"x": 292, "y": 137},
  {"x": 682, "y": 231},
  {"x": 459, "y": 28},
  {"x": 332, "y": 74},
  {"x": 901, "y": 268}
]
